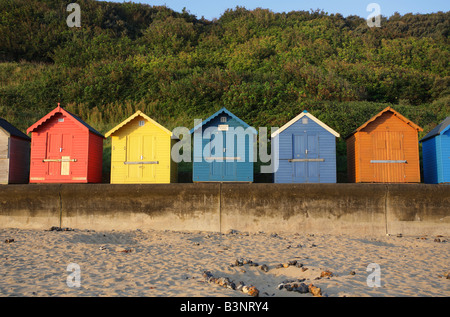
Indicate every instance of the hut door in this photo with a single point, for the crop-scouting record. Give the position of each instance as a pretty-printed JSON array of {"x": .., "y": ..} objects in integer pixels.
[
  {"x": 230, "y": 156},
  {"x": 313, "y": 154},
  {"x": 223, "y": 165},
  {"x": 216, "y": 162},
  {"x": 300, "y": 168},
  {"x": 141, "y": 158},
  {"x": 389, "y": 160},
  {"x": 305, "y": 154},
  {"x": 134, "y": 152},
  {"x": 149, "y": 157},
  {"x": 59, "y": 147}
]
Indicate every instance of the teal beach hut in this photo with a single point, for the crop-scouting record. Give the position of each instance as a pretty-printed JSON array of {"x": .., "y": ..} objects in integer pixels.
[{"x": 223, "y": 149}]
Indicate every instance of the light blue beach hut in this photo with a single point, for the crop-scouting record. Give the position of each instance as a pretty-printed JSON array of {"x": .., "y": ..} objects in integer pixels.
[
  {"x": 436, "y": 154},
  {"x": 223, "y": 149},
  {"x": 305, "y": 150}
]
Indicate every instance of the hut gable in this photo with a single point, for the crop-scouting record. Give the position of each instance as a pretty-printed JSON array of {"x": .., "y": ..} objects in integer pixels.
[{"x": 387, "y": 117}]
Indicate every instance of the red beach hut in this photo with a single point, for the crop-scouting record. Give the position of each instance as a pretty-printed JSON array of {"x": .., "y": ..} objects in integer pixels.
[{"x": 64, "y": 149}]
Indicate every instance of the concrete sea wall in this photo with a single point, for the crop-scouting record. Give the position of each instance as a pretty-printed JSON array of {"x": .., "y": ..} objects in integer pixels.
[{"x": 371, "y": 209}]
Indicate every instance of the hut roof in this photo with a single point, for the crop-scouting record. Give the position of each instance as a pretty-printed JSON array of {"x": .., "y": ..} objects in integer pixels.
[
  {"x": 57, "y": 110},
  {"x": 12, "y": 130},
  {"x": 396, "y": 113},
  {"x": 310, "y": 116},
  {"x": 129, "y": 119},
  {"x": 223, "y": 110},
  {"x": 439, "y": 129}
]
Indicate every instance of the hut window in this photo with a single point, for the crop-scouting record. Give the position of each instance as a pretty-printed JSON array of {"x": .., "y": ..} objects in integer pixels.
[
  {"x": 223, "y": 119},
  {"x": 61, "y": 120},
  {"x": 141, "y": 123},
  {"x": 304, "y": 120}
]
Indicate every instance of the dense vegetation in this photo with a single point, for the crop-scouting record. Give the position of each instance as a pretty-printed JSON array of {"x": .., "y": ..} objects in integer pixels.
[{"x": 265, "y": 67}]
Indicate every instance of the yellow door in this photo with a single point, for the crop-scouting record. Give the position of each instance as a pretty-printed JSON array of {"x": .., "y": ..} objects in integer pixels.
[
  {"x": 134, "y": 157},
  {"x": 149, "y": 157},
  {"x": 141, "y": 161}
]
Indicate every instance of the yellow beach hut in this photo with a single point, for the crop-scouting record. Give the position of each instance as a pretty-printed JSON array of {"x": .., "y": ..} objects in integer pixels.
[{"x": 141, "y": 152}]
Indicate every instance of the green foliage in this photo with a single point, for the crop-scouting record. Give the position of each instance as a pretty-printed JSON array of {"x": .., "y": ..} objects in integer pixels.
[{"x": 266, "y": 67}]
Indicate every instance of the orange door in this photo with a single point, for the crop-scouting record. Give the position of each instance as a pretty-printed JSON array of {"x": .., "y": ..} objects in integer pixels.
[{"x": 388, "y": 157}]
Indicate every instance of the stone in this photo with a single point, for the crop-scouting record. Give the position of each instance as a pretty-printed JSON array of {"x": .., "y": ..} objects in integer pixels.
[
  {"x": 302, "y": 288},
  {"x": 316, "y": 291},
  {"x": 288, "y": 287},
  {"x": 253, "y": 291},
  {"x": 326, "y": 274},
  {"x": 265, "y": 268},
  {"x": 240, "y": 286}
]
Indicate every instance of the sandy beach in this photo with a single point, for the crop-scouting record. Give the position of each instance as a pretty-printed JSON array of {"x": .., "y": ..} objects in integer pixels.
[{"x": 149, "y": 263}]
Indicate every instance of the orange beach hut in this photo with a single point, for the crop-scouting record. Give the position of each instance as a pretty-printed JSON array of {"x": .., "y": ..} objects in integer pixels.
[{"x": 385, "y": 149}]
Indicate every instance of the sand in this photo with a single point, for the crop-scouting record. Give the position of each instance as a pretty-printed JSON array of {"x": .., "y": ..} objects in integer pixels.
[{"x": 150, "y": 263}]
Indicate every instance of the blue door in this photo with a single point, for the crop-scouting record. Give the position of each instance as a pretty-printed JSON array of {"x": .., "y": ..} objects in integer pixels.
[
  {"x": 304, "y": 158},
  {"x": 223, "y": 158}
]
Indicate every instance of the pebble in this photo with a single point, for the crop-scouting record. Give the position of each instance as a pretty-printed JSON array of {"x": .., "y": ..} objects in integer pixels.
[
  {"x": 265, "y": 268},
  {"x": 316, "y": 291},
  {"x": 253, "y": 291},
  {"x": 302, "y": 288},
  {"x": 326, "y": 274},
  {"x": 9, "y": 240}
]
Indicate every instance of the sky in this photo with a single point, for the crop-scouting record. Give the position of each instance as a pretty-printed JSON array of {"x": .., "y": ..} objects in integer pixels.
[{"x": 211, "y": 9}]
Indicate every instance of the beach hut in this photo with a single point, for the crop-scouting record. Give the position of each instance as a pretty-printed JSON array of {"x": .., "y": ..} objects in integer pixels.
[
  {"x": 385, "y": 149},
  {"x": 223, "y": 149},
  {"x": 14, "y": 154},
  {"x": 64, "y": 149},
  {"x": 141, "y": 152},
  {"x": 306, "y": 151},
  {"x": 436, "y": 154}
]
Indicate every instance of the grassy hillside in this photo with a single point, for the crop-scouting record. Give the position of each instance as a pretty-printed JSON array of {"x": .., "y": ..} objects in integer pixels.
[{"x": 265, "y": 67}]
